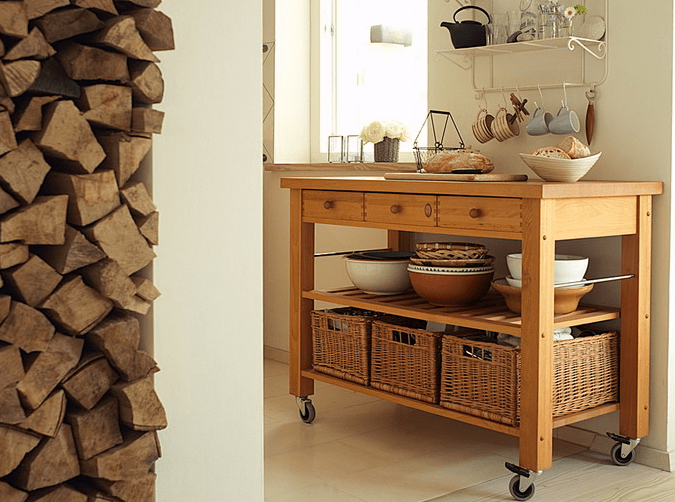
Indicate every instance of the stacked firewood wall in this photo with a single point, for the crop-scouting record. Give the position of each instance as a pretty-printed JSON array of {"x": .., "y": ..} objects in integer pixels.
[{"x": 78, "y": 409}]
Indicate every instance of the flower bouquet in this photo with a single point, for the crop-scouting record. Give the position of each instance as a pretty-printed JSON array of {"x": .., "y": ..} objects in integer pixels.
[{"x": 385, "y": 136}]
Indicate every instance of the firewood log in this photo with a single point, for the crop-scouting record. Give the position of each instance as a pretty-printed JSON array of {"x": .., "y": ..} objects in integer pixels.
[
  {"x": 48, "y": 417},
  {"x": 90, "y": 196},
  {"x": 131, "y": 459},
  {"x": 146, "y": 82},
  {"x": 7, "y": 139},
  {"x": 75, "y": 253},
  {"x": 12, "y": 254},
  {"x": 146, "y": 120},
  {"x": 48, "y": 369},
  {"x": 53, "y": 80},
  {"x": 28, "y": 115},
  {"x": 34, "y": 46},
  {"x": 107, "y": 277},
  {"x": 136, "y": 196},
  {"x": 11, "y": 411},
  {"x": 14, "y": 444},
  {"x": 5, "y": 306},
  {"x": 136, "y": 304},
  {"x": 68, "y": 23},
  {"x": 118, "y": 236},
  {"x": 18, "y": 76},
  {"x": 96, "y": 430},
  {"x": 11, "y": 364},
  {"x": 155, "y": 27},
  {"x": 120, "y": 33},
  {"x": 140, "y": 489},
  {"x": 10, "y": 494},
  {"x": 38, "y": 8},
  {"x": 102, "y": 5},
  {"x": 13, "y": 19},
  {"x": 27, "y": 328},
  {"x": 22, "y": 171},
  {"x": 53, "y": 461},
  {"x": 139, "y": 405},
  {"x": 82, "y": 62},
  {"x": 149, "y": 227},
  {"x": 42, "y": 222},
  {"x": 60, "y": 493},
  {"x": 75, "y": 307},
  {"x": 90, "y": 380},
  {"x": 33, "y": 281},
  {"x": 67, "y": 136},
  {"x": 118, "y": 337},
  {"x": 107, "y": 105},
  {"x": 124, "y": 154},
  {"x": 145, "y": 288}
]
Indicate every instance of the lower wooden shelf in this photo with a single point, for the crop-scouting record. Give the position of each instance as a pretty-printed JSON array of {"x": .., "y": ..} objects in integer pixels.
[
  {"x": 455, "y": 415},
  {"x": 488, "y": 314}
]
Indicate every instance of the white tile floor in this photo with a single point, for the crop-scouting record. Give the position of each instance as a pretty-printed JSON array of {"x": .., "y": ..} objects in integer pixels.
[{"x": 362, "y": 449}]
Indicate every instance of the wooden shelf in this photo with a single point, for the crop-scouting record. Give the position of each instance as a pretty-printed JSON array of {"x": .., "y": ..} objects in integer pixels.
[{"x": 489, "y": 314}]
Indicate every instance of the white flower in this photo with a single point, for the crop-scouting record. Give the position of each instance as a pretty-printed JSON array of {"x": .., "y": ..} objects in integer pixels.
[
  {"x": 373, "y": 132},
  {"x": 570, "y": 12},
  {"x": 376, "y": 131}
]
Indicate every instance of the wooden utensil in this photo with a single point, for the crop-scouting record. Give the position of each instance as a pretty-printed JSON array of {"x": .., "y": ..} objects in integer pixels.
[{"x": 590, "y": 115}]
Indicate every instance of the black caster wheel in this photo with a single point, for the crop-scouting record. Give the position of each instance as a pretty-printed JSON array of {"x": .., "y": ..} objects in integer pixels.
[
  {"x": 514, "y": 488},
  {"x": 309, "y": 414},
  {"x": 619, "y": 459}
]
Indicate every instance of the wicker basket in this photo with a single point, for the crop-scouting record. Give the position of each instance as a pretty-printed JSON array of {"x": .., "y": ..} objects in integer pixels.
[
  {"x": 406, "y": 359},
  {"x": 451, "y": 250},
  {"x": 483, "y": 378},
  {"x": 386, "y": 150},
  {"x": 341, "y": 342}
]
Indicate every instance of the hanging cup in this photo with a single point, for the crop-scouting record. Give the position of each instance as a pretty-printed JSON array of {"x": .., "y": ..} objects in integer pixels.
[
  {"x": 566, "y": 121},
  {"x": 539, "y": 123}
]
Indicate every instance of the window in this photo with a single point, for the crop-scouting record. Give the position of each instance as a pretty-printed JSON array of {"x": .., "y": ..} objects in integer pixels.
[{"x": 360, "y": 81}]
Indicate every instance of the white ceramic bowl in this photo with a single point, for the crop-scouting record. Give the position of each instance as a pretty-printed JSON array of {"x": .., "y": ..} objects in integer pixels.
[
  {"x": 379, "y": 277},
  {"x": 567, "y": 267},
  {"x": 517, "y": 283},
  {"x": 568, "y": 170}
]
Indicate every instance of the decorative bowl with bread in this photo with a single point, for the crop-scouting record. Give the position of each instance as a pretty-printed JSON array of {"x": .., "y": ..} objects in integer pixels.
[{"x": 569, "y": 161}]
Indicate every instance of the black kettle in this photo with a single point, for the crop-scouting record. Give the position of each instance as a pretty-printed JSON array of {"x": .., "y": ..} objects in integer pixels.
[{"x": 467, "y": 33}]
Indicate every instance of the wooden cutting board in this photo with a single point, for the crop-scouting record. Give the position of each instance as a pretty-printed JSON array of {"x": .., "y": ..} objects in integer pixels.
[{"x": 455, "y": 177}]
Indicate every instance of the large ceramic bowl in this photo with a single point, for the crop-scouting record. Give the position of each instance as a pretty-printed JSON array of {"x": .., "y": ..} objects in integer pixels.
[
  {"x": 447, "y": 286},
  {"x": 378, "y": 277},
  {"x": 568, "y": 170},
  {"x": 566, "y": 268},
  {"x": 565, "y": 300}
]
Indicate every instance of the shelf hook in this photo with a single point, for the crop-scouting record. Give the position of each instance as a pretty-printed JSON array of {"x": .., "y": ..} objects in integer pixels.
[{"x": 565, "y": 93}]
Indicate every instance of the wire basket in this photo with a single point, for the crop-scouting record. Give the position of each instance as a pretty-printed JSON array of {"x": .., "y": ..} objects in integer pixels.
[{"x": 424, "y": 153}]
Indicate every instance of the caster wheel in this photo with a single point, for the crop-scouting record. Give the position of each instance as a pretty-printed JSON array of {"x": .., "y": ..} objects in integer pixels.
[
  {"x": 514, "y": 488},
  {"x": 310, "y": 413},
  {"x": 618, "y": 458}
]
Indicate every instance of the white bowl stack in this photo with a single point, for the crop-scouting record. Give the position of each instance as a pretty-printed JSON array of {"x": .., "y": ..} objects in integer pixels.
[{"x": 566, "y": 268}]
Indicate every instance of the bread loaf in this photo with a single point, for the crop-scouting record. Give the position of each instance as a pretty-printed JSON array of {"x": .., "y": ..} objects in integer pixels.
[
  {"x": 574, "y": 148},
  {"x": 446, "y": 162},
  {"x": 552, "y": 152}
]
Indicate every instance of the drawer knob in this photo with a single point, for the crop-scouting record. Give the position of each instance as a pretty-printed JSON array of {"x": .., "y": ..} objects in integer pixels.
[
  {"x": 428, "y": 210},
  {"x": 474, "y": 212},
  {"x": 395, "y": 209},
  {"x": 329, "y": 204}
]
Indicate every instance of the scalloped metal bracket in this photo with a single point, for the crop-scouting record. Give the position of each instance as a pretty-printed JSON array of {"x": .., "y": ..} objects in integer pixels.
[{"x": 601, "y": 47}]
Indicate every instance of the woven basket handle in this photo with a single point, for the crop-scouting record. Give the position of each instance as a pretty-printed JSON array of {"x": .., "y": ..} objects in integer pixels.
[{"x": 472, "y": 7}]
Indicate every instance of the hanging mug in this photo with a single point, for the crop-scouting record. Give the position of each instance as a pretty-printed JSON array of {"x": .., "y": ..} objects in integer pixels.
[
  {"x": 503, "y": 126},
  {"x": 566, "y": 121},
  {"x": 539, "y": 123},
  {"x": 482, "y": 126}
]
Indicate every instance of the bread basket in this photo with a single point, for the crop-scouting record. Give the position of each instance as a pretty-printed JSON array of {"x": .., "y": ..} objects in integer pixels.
[{"x": 567, "y": 170}]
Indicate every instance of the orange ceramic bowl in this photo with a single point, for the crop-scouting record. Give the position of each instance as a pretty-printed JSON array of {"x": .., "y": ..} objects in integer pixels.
[
  {"x": 565, "y": 300},
  {"x": 446, "y": 286}
]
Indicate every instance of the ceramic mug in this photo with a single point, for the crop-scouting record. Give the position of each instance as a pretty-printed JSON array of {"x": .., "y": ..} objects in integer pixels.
[
  {"x": 539, "y": 123},
  {"x": 566, "y": 121},
  {"x": 503, "y": 126},
  {"x": 482, "y": 127}
]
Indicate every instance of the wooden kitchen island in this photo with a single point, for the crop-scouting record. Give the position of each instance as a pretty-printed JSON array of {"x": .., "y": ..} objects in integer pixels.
[{"x": 534, "y": 212}]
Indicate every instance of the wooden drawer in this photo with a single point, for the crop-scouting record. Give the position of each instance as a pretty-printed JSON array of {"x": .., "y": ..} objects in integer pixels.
[
  {"x": 332, "y": 205},
  {"x": 401, "y": 209},
  {"x": 480, "y": 213}
]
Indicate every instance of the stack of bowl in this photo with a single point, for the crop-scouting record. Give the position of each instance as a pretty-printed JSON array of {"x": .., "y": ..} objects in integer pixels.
[
  {"x": 451, "y": 273},
  {"x": 566, "y": 269}
]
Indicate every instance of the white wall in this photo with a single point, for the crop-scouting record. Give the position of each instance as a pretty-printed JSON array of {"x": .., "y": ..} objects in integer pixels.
[
  {"x": 208, "y": 186},
  {"x": 636, "y": 141}
]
